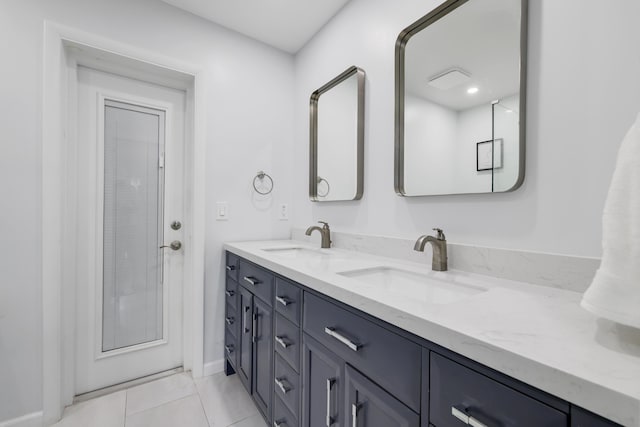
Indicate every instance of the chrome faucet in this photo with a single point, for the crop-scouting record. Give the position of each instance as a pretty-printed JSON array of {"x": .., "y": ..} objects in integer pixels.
[
  {"x": 325, "y": 232},
  {"x": 439, "y": 244}
]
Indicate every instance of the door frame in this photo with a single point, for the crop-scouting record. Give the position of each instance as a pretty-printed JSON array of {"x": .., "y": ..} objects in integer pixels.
[{"x": 63, "y": 49}]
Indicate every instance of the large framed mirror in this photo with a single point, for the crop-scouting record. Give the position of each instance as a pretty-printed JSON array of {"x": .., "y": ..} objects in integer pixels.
[
  {"x": 460, "y": 99},
  {"x": 336, "y": 152}
]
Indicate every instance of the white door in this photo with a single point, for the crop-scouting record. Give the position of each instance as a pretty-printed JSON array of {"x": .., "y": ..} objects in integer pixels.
[{"x": 130, "y": 195}]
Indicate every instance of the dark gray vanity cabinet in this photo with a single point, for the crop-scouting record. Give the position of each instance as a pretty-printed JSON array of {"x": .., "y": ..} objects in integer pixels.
[
  {"x": 253, "y": 320},
  {"x": 311, "y": 361},
  {"x": 368, "y": 405},
  {"x": 323, "y": 386}
]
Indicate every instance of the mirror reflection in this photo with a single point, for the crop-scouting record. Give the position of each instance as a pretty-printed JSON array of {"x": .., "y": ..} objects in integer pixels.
[
  {"x": 337, "y": 138},
  {"x": 459, "y": 99}
]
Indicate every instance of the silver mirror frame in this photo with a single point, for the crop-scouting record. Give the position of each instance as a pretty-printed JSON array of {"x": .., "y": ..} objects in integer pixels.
[
  {"x": 313, "y": 133},
  {"x": 401, "y": 42}
]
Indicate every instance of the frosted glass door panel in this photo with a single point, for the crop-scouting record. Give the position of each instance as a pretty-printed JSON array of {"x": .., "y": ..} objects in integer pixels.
[{"x": 133, "y": 199}]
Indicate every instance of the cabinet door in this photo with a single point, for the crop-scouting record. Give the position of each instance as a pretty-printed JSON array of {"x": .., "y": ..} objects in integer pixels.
[
  {"x": 323, "y": 385},
  {"x": 368, "y": 405},
  {"x": 262, "y": 356},
  {"x": 245, "y": 360}
]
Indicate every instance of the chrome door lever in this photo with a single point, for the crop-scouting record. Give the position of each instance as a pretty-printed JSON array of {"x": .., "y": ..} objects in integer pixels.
[{"x": 175, "y": 245}]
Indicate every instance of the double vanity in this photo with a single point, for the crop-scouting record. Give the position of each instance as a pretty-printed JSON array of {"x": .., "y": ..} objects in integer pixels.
[{"x": 335, "y": 337}]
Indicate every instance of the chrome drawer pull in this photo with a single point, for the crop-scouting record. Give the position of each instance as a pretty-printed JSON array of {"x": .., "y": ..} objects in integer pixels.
[
  {"x": 278, "y": 423},
  {"x": 251, "y": 280},
  {"x": 282, "y": 301},
  {"x": 344, "y": 340},
  {"x": 230, "y": 293},
  {"x": 229, "y": 320},
  {"x": 280, "y": 341},
  {"x": 330, "y": 382},
  {"x": 354, "y": 414},
  {"x": 229, "y": 348},
  {"x": 475, "y": 423},
  {"x": 281, "y": 385},
  {"x": 460, "y": 414},
  {"x": 231, "y": 267}
]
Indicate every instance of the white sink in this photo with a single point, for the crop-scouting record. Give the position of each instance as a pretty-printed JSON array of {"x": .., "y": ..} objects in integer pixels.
[{"x": 429, "y": 288}]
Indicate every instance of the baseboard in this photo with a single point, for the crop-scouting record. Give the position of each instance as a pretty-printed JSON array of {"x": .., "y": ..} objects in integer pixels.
[
  {"x": 211, "y": 368},
  {"x": 33, "y": 419}
]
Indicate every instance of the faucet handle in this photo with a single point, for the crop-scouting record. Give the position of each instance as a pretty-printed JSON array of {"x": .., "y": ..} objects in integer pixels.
[
  {"x": 325, "y": 224},
  {"x": 439, "y": 234}
]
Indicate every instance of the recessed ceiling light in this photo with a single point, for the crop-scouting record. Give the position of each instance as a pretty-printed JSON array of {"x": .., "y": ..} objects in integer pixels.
[{"x": 472, "y": 90}]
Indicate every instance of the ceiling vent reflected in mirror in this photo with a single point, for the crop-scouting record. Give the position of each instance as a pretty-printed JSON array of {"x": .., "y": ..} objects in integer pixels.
[{"x": 450, "y": 79}]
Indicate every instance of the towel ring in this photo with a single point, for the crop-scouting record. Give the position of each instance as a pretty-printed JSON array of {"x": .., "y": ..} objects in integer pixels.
[
  {"x": 266, "y": 187},
  {"x": 326, "y": 193}
]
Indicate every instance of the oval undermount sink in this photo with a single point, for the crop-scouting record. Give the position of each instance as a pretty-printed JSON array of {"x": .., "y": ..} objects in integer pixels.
[{"x": 434, "y": 288}]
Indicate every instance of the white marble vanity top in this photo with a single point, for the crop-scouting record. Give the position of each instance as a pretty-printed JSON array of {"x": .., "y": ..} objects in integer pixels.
[{"x": 536, "y": 334}]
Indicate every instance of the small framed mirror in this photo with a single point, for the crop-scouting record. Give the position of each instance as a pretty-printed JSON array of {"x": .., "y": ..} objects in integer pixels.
[
  {"x": 460, "y": 99},
  {"x": 336, "y": 151}
]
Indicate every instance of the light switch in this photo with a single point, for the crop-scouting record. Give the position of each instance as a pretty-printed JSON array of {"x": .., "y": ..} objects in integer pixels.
[{"x": 222, "y": 211}]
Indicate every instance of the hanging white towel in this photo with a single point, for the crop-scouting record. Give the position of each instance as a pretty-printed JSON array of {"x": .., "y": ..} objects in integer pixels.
[{"x": 615, "y": 290}]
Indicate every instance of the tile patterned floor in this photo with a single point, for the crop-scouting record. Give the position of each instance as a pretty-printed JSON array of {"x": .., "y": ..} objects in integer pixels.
[{"x": 178, "y": 400}]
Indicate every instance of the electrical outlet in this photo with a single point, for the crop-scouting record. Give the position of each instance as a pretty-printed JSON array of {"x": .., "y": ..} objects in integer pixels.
[
  {"x": 222, "y": 211},
  {"x": 283, "y": 212}
]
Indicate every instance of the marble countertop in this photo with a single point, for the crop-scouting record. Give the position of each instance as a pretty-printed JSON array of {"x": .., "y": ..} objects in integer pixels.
[{"x": 536, "y": 334}]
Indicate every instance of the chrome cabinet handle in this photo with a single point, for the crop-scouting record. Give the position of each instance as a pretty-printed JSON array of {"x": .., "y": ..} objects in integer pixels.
[
  {"x": 229, "y": 320},
  {"x": 460, "y": 413},
  {"x": 229, "y": 348},
  {"x": 281, "y": 385},
  {"x": 254, "y": 336},
  {"x": 280, "y": 341},
  {"x": 231, "y": 267},
  {"x": 229, "y": 293},
  {"x": 251, "y": 280},
  {"x": 344, "y": 340},
  {"x": 244, "y": 319},
  {"x": 475, "y": 423},
  {"x": 354, "y": 414},
  {"x": 278, "y": 423},
  {"x": 330, "y": 382},
  {"x": 282, "y": 301}
]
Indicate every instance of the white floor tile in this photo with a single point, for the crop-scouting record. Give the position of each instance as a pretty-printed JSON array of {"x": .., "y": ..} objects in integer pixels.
[
  {"x": 105, "y": 411},
  {"x": 225, "y": 400},
  {"x": 254, "y": 421},
  {"x": 184, "y": 412},
  {"x": 159, "y": 392}
]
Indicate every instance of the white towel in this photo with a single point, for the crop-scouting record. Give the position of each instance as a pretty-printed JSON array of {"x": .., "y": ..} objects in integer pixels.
[{"x": 615, "y": 290}]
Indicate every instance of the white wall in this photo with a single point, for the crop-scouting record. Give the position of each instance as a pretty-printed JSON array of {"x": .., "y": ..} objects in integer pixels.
[
  {"x": 583, "y": 94},
  {"x": 249, "y": 107}
]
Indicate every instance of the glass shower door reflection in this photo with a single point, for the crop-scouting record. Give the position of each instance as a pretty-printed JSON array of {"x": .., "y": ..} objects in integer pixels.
[{"x": 133, "y": 297}]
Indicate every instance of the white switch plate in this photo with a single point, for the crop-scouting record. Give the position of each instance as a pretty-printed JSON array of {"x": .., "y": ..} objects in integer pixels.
[
  {"x": 283, "y": 212},
  {"x": 222, "y": 211}
]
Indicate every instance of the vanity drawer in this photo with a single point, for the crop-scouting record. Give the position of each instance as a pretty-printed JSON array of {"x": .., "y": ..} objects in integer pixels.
[
  {"x": 390, "y": 360},
  {"x": 287, "y": 385},
  {"x": 288, "y": 300},
  {"x": 231, "y": 320},
  {"x": 287, "y": 341},
  {"x": 231, "y": 266},
  {"x": 282, "y": 416},
  {"x": 457, "y": 393},
  {"x": 231, "y": 293},
  {"x": 257, "y": 280},
  {"x": 230, "y": 347}
]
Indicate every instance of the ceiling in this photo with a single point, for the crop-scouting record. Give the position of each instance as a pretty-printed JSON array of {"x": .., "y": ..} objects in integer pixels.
[
  {"x": 481, "y": 38},
  {"x": 285, "y": 24}
]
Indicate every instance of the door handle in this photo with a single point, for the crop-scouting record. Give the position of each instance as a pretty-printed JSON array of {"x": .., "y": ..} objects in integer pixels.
[
  {"x": 175, "y": 245},
  {"x": 354, "y": 414},
  {"x": 244, "y": 319}
]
